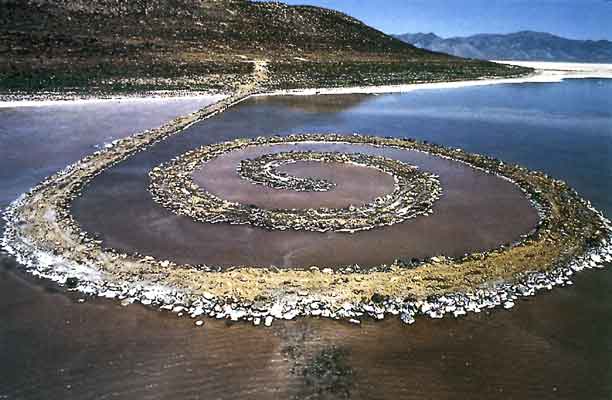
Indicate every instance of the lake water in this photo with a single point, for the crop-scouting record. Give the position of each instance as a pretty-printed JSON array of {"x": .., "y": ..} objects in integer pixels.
[{"x": 557, "y": 345}]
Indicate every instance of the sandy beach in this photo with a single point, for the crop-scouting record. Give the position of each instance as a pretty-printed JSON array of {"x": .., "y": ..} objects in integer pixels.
[{"x": 136, "y": 100}]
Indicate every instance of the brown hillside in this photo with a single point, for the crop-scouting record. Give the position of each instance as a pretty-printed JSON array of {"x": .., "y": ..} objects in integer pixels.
[{"x": 142, "y": 45}]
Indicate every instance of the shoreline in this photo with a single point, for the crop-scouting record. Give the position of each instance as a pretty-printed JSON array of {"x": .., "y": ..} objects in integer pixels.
[
  {"x": 86, "y": 100},
  {"x": 546, "y": 72},
  {"x": 39, "y": 230}
]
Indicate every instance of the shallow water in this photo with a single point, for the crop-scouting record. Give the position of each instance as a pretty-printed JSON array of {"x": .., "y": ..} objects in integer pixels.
[
  {"x": 554, "y": 346},
  {"x": 36, "y": 142},
  {"x": 353, "y": 184},
  {"x": 476, "y": 212}
]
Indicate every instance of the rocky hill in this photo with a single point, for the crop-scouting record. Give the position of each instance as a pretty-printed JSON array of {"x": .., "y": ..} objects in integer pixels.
[
  {"x": 525, "y": 46},
  {"x": 143, "y": 45}
]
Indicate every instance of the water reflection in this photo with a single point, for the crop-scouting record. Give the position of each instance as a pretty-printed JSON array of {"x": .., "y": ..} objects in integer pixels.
[{"x": 314, "y": 104}]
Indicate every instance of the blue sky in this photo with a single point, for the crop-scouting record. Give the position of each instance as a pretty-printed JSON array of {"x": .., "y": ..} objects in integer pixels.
[{"x": 580, "y": 19}]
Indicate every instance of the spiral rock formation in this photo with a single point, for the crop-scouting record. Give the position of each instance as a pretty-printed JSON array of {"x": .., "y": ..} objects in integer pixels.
[{"x": 414, "y": 191}]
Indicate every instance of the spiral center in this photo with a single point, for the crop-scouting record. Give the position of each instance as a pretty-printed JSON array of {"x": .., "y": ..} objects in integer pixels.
[{"x": 413, "y": 191}]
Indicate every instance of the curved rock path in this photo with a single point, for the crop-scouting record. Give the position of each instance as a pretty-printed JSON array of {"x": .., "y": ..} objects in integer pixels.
[
  {"x": 44, "y": 237},
  {"x": 45, "y": 227}
]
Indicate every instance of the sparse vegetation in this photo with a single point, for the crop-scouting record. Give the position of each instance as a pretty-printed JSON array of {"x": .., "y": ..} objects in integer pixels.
[{"x": 118, "y": 46}]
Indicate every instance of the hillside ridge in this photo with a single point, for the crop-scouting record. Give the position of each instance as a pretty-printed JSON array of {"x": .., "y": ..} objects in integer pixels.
[{"x": 126, "y": 46}]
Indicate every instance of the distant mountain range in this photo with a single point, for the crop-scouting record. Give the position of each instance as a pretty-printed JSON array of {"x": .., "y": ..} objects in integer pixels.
[{"x": 524, "y": 46}]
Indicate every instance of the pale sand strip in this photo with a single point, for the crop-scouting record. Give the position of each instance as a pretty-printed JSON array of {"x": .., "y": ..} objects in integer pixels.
[
  {"x": 546, "y": 72},
  {"x": 154, "y": 98}
]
